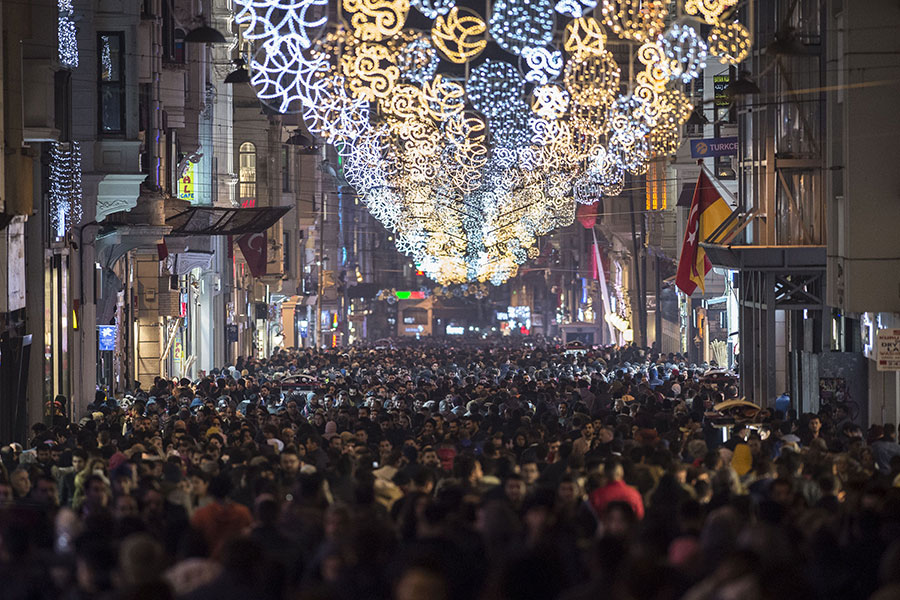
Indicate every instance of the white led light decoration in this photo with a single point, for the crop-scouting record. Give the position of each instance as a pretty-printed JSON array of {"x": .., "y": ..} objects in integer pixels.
[
  {"x": 265, "y": 19},
  {"x": 433, "y": 8},
  {"x": 544, "y": 65},
  {"x": 575, "y": 8},
  {"x": 67, "y": 43},
  {"x": 65, "y": 187},
  {"x": 686, "y": 52},
  {"x": 550, "y": 102},
  {"x": 492, "y": 83},
  {"x": 519, "y": 24},
  {"x": 284, "y": 77}
]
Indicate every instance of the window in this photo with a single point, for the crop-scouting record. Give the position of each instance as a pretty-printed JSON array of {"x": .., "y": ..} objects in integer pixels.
[
  {"x": 247, "y": 186},
  {"x": 112, "y": 82},
  {"x": 285, "y": 169}
]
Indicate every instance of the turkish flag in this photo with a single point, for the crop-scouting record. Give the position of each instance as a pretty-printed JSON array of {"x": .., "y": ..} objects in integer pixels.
[
  {"x": 708, "y": 211},
  {"x": 587, "y": 214},
  {"x": 254, "y": 247}
]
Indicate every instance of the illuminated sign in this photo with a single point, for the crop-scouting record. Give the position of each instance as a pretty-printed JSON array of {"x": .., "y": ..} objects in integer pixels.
[
  {"x": 410, "y": 295},
  {"x": 454, "y": 330},
  {"x": 186, "y": 184}
]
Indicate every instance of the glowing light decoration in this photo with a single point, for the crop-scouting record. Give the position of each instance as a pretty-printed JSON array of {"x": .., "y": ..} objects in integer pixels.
[
  {"x": 637, "y": 20},
  {"x": 592, "y": 77},
  {"x": 686, "y": 52},
  {"x": 584, "y": 35},
  {"x": 492, "y": 84},
  {"x": 415, "y": 56},
  {"x": 370, "y": 71},
  {"x": 544, "y": 65},
  {"x": 466, "y": 189},
  {"x": 459, "y": 35},
  {"x": 519, "y": 24},
  {"x": 284, "y": 77},
  {"x": 375, "y": 20},
  {"x": 550, "y": 102},
  {"x": 575, "y": 8},
  {"x": 266, "y": 19},
  {"x": 443, "y": 97},
  {"x": 67, "y": 44},
  {"x": 433, "y": 8},
  {"x": 730, "y": 42},
  {"x": 65, "y": 187},
  {"x": 711, "y": 10}
]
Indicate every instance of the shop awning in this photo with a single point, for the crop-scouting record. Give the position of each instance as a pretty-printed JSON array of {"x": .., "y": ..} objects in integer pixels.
[{"x": 210, "y": 220}]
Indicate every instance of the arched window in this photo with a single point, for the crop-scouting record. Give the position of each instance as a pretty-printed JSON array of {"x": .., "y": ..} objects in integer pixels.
[{"x": 247, "y": 186}]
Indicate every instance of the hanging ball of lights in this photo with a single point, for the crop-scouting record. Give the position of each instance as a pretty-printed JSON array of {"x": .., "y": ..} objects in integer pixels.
[
  {"x": 664, "y": 141},
  {"x": 433, "y": 8},
  {"x": 375, "y": 20},
  {"x": 685, "y": 52},
  {"x": 459, "y": 35},
  {"x": 711, "y": 10},
  {"x": 415, "y": 56},
  {"x": 492, "y": 83},
  {"x": 730, "y": 42},
  {"x": 592, "y": 77},
  {"x": 637, "y": 20},
  {"x": 519, "y": 24}
]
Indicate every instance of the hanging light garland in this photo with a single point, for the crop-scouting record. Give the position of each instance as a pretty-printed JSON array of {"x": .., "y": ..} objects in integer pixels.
[
  {"x": 65, "y": 187},
  {"x": 467, "y": 171}
]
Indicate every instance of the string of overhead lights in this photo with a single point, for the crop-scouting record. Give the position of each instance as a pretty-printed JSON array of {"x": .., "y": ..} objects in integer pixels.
[{"x": 467, "y": 172}]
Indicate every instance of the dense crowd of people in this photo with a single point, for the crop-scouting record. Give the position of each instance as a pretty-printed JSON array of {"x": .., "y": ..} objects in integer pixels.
[{"x": 437, "y": 472}]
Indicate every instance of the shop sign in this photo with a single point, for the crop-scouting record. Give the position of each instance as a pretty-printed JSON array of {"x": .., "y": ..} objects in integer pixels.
[
  {"x": 887, "y": 350},
  {"x": 705, "y": 148},
  {"x": 106, "y": 337}
]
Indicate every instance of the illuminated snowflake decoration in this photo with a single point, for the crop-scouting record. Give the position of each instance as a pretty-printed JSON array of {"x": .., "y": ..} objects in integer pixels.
[
  {"x": 686, "y": 52},
  {"x": 519, "y": 24},
  {"x": 433, "y": 8},
  {"x": 285, "y": 78},
  {"x": 67, "y": 43},
  {"x": 266, "y": 19},
  {"x": 544, "y": 65}
]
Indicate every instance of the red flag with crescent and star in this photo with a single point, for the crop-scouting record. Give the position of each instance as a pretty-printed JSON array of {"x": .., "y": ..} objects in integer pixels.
[
  {"x": 255, "y": 250},
  {"x": 708, "y": 211}
]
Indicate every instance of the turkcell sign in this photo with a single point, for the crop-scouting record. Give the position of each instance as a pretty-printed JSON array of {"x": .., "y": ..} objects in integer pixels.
[{"x": 714, "y": 147}]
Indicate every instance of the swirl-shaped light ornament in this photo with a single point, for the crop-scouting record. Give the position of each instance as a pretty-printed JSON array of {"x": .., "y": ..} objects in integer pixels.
[
  {"x": 459, "y": 35},
  {"x": 519, "y": 24},
  {"x": 730, "y": 42},
  {"x": 637, "y": 20},
  {"x": 285, "y": 76},
  {"x": 543, "y": 65},
  {"x": 443, "y": 98},
  {"x": 375, "y": 20},
  {"x": 575, "y": 8},
  {"x": 370, "y": 71},
  {"x": 685, "y": 52},
  {"x": 711, "y": 10}
]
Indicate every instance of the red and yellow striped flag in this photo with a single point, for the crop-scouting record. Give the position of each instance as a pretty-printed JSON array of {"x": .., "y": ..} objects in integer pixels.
[{"x": 708, "y": 211}]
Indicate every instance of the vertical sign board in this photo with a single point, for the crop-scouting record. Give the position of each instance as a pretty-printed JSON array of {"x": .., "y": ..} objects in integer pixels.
[
  {"x": 186, "y": 183},
  {"x": 106, "y": 337},
  {"x": 887, "y": 349}
]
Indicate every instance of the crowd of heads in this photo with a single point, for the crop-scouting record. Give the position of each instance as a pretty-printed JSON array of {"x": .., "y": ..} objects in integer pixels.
[{"x": 441, "y": 472}]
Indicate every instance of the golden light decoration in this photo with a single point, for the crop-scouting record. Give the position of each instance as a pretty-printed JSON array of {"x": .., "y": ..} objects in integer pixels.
[
  {"x": 675, "y": 108},
  {"x": 638, "y": 20},
  {"x": 405, "y": 102},
  {"x": 664, "y": 141},
  {"x": 371, "y": 71},
  {"x": 711, "y": 10},
  {"x": 375, "y": 20},
  {"x": 730, "y": 42},
  {"x": 460, "y": 35},
  {"x": 592, "y": 77},
  {"x": 584, "y": 34},
  {"x": 443, "y": 98}
]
